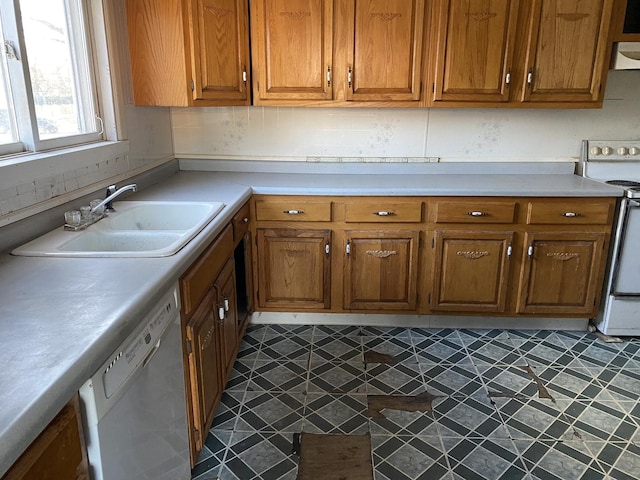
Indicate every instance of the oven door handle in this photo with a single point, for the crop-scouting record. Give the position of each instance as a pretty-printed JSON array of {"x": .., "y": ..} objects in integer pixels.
[{"x": 633, "y": 204}]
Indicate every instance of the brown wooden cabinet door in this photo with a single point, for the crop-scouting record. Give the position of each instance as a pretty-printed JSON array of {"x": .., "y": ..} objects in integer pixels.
[
  {"x": 471, "y": 271},
  {"x": 474, "y": 50},
  {"x": 293, "y": 268},
  {"x": 227, "y": 316},
  {"x": 381, "y": 270},
  {"x": 568, "y": 41},
  {"x": 221, "y": 51},
  {"x": 292, "y": 49},
  {"x": 384, "y": 52},
  {"x": 561, "y": 273},
  {"x": 204, "y": 369}
]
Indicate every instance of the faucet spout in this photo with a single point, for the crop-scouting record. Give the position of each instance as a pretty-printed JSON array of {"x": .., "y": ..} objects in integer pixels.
[{"x": 116, "y": 193}]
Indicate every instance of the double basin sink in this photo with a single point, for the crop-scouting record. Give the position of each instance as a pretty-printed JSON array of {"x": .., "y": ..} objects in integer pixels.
[{"x": 135, "y": 229}]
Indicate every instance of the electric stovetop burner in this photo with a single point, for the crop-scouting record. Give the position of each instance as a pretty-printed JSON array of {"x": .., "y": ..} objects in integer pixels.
[{"x": 624, "y": 183}]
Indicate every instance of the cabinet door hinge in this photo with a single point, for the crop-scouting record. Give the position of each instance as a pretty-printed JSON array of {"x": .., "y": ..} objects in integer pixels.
[
  {"x": 244, "y": 74},
  {"x": 433, "y": 242},
  {"x": 196, "y": 435},
  {"x": 189, "y": 347},
  {"x": 433, "y": 88},
  {"x": 429, "y": 298},
  {"x": 193, "y": 86}
]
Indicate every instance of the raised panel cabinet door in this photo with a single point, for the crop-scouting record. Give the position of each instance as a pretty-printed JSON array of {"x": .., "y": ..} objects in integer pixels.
[
  {"x": 561, "y": 273},
  {"x": 221, "y": 51},
  {"x": 474, "y": 50},
  {"x": 568, "y": 41},
  {"x": 292, "y": 49},
  {"x": 381, "y": 270},
  {"x": 293, "y": 268},
  {"x": 385, "y": 53},
  {"x": 471, "y": 271},
  {"x": 204, "y": 369},
  {"x": 227, "y": 315}
]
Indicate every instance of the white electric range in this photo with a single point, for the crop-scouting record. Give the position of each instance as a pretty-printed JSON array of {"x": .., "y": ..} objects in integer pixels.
[{"x": 618, "y": 163}]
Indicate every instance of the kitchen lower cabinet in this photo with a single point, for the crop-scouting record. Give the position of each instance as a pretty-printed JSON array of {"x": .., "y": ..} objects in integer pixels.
[
  {"x": 561, "y": 273},
  {"x": 381, "y": 270},
  {"x": 205, "y": 375},
  {"x": 431, "y": 255},
  {"x": 471, "y": 271},
  {"x": 293, "y": 268},
  {"x": 227, "y": 316},
  {"x": 59, "y": 452},
  {"x": 212, "y": 326}
]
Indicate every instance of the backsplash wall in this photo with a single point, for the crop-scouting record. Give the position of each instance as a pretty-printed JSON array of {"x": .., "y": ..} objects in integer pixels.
[{"x": 357, "y": 134}]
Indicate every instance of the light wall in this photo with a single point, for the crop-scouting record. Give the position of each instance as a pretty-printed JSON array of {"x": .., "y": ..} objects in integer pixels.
[{"x": 354, "y": 134}]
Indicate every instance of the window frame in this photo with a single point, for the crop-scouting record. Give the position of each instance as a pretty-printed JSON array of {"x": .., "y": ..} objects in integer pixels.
[{"x": 17, "y": 71}]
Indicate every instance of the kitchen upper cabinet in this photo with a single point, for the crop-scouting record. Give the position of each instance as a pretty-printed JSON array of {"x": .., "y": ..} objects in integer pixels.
[
  {"x": 471, "y": 271},
  {"x": 292, "y": 49},
  {"x": 189, "y": 52},
  {"x": 381, "y": 270},
  {"x": 561, "y": 273},
  {"x": 528, "y": 53},
  {"x": 325, "y": 52},
  {"x": 294, "y": 268},
  {"x": 384, "y": 45},
  {"x": 473, "y": 50},
  {"x": 567, "y": 49}
]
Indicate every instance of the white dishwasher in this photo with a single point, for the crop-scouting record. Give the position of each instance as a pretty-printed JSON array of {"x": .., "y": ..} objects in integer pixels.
[{"x": 134, "y": 406}]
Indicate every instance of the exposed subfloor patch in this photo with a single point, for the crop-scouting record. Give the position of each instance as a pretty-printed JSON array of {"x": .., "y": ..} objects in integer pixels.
[{"x": 330, "y": 457}]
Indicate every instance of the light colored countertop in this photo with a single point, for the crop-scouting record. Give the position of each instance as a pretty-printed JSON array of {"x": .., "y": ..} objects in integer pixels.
[{"x": 60, "y": 318}]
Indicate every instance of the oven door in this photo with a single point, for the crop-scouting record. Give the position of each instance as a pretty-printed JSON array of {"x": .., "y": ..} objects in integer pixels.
[{"x": 626, "y": 268}]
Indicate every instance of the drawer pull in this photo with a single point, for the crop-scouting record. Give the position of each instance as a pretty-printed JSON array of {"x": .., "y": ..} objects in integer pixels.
[
  {"x": 570, "y": 214},
  {"x": 293, "y": 212},
  {"x": 245, "y": 220},
  {"x": 383, "y": 214},
  {"x": 477, "y": 214},
  {"x": 220, "y": 314}
]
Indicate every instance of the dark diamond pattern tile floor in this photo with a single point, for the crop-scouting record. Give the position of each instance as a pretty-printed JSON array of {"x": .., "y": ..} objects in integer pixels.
[{"x": 527, "y": 404}]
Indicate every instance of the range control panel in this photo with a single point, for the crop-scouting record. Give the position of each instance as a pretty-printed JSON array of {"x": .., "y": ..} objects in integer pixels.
[{"x": 613, "y": 150}]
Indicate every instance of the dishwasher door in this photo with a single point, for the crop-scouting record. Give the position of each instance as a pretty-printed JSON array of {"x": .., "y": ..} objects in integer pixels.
[{"x": 135, "y": 406}]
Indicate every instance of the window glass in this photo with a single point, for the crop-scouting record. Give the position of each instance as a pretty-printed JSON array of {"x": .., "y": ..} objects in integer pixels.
[{"x": 55, "y": 40}]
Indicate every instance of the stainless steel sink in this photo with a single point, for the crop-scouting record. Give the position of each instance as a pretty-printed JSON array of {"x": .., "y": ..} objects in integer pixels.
[{"x": 135, "y": 229}]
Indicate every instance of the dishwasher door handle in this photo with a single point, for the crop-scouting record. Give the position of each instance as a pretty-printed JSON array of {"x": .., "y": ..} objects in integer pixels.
[{"x": 150, "y": 355}]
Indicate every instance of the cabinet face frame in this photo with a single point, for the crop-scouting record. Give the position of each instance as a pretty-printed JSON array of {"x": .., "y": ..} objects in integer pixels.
[
  {"x": 547, "y": 259},
  {"x": 482, "y": 257},
  {"x": 446, "y": 69}
]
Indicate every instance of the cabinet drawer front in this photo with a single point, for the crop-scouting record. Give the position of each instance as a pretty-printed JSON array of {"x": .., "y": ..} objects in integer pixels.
[
  {"x": 240, "y": 223},
  {"x": 478, "y": 212},
  {"x": 569, "y": 213},
  {"x": 383, "y": 211},
  {"x": 294, "y": 210},
  {"x": 199, "y": 278}
]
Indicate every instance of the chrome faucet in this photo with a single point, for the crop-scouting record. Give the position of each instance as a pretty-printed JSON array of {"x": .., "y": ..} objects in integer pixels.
[{"x": 112, "y": 193}]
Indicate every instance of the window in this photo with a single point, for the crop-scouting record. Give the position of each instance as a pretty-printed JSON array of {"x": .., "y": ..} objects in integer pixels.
[{"x": 47, "y": 88}]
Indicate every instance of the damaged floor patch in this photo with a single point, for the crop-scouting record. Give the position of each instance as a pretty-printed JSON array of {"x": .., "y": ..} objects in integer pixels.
[
  {"x": 372, "y": 356},
  {"x": 408, "y": 403},
  {"x": 542, "y": 390},
  {"x": 332, "y": 457}
]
